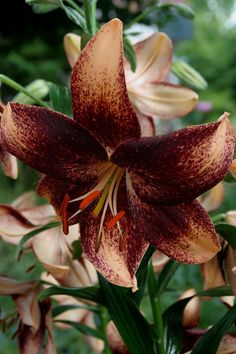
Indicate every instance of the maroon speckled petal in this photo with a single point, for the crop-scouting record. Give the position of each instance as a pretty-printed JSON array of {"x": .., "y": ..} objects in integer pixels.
[
  {"x": 99, "y": 94},
  {"x": 51, "y": 143},
  {"x": 54, "y": 191},
  {"x": 117, "y": 264},
  {"x": 183, "y": 232},
  {"x": 178, "y": 167}
]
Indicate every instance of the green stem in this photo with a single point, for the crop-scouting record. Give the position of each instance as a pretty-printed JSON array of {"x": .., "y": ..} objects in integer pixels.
[
  {"x": 90, "y": 15},
  {"x": 141, "y": 16},
  {"x": 75, "y": 6},
  {"x": 7, "y": 81},
  {"x": 103, "y": 319},
  {"x": 156, "y": 309}
]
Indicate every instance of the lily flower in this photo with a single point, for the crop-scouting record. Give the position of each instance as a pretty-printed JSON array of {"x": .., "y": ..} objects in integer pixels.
[
  {"x": 149, "y": 90},
  {"x": 125, "y": 191},
  {"x": 8, "y": 161},
  {"x": 35, "y": 317}
]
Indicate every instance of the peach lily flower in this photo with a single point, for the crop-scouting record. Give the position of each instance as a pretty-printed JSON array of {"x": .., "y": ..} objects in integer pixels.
[
  {"x": 126, "y": 191},
  {"x": 149, "y": 90},
  {"x": 8, "y": 161},
  {"x": 35, "y": 317}
]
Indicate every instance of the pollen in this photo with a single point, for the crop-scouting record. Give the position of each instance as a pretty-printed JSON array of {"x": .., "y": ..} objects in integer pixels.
[
  {"x": 115, "y": 219},
  {"x": 89, "y": 199}
]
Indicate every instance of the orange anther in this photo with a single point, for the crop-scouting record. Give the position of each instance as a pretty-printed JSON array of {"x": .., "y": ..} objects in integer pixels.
[
  {"x": 89, "y": 199},
  {"x": 115, "y": 219},
  {"x": 64, "y": 204},
  {"x": 65, "y": 226}
]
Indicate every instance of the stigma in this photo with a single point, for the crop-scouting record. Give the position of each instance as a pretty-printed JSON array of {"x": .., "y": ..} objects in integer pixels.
[{"x": 105, "y": 192}]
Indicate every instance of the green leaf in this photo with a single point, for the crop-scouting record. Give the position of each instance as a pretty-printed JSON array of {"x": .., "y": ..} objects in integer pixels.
[
  {"x": 60, "y": 98},
  {"x": 228, "y": 232},
  {"x": 142, "y": 276},
  {"x": 229, "y": 178},
  {"x": 77, "y": 249},
  {"x": 86, "y": 330},
  {"x": 73, "y": 15},
  {"x": 38, "y": 88},
  {"x": 135, "y": 330},
  {"x": 57, "y": 310},
  {"x": 90, "y": 293},
  {"x": 165, "y": 276},
  {"x": 211, "y": 340},
  {"x": 172, "y": 318},
  {"x": 184, "y": 11},
  {"x": 32, "y": 234},
  {"x": 130, "y": 54},
  {"x": 43, "y": 6}
]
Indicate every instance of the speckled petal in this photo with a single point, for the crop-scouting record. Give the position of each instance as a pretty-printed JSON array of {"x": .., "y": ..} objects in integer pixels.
[
  {"x": 183, "y": 232},
  {"x": 9, "y": 164},
  {"x": 116, "y": 261},
  {"x": 54, "y": 191},
  {"x": 99, "y": 94},
  {"x": 163, "y": 100},
  {"x": 154, "y": 56},
  {"x": 180, "y": 166},
  {"x": 51, "y": 142}
]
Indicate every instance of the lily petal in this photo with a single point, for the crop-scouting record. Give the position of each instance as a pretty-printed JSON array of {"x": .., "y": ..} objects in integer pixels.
[
  {"x": 30, "y": 132},
  {"x": 163, "y": 100},
  {"x": 99, "y": 95},
  {"x": 146, "y": 123},
  {"x": 213, "y": 199},
  {"x": 9, "y": 164},
  {"x": 183, "y": 232},
  {"x": 154, "y": 56},
  {"x": 181, "y": 165},
  {"x": 117, "y": 261},
  {"x": 10, "y": 286}
]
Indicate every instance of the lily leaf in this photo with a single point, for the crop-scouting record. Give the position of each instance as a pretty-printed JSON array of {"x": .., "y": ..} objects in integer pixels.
[
  {"x": 32, "y": 234},
  {"x": 73, "y": 15},
  {"x": 172, "y": 318},
  {"x": 57, "y": 310},
  {"x": 60, "y": 98},
  {"x": 42, "y": 6},
  {"x": 130, "y": 54},
  {"x": 136, "y": 332},
  {"x": 211, "y": 340},
  {"x": 165, "y": 276},
  {"x": 90, "y": 293},
  {"x": 86, "y": 330},
  {"x": 228, "y": 232}
]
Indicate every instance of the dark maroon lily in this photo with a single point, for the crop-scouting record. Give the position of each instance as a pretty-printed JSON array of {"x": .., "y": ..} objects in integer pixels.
[{"x": 124, "y": 190}]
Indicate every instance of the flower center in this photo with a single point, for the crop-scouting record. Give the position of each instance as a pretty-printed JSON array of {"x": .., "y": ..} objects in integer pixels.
[{"x": 106, "y": 190}]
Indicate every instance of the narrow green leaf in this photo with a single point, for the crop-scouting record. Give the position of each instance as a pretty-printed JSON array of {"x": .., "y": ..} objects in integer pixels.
[
  {"x": 184, "y": 10},
  {"x": 77, "y": 249},
  {"x": 60, "y": 98},
  {"x": 43, "y": 6},
  {"x": 172, "y": 318},
  {"x": 165, "y": 276},
  {"x": 90, "y": 293},
  {"x": 32, "y": 234},
  {"x": 142, "y": 276},
  {"x": 130, "y": 54},
  {"x": 229, "y": 178},
  {"x": 135, "y": 330},
  {"x": 228, "y": 232},
  {"x": 211, "y": 340},
  {"x": 73, "y": 15},
  {"x": 57, "y": 310},
  {"x": 86, "y": 330}
]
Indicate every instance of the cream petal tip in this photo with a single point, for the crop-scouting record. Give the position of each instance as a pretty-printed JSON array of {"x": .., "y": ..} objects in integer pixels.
[
  {"x": 224, "y": 116},
  {"x": 135, "y": 284}
]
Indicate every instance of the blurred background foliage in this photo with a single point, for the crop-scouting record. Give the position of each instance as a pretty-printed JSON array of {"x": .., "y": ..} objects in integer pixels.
[{"x": 31, "y": 47}]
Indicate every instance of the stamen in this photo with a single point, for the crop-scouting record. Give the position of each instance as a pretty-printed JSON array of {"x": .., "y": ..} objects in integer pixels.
[
  {"x": 89, "y": 199},
  {"x": 65, "y": 226},
  {"x": 115, "y": 219},
  {"x": 64, "y": 204},
  {"x": 101, "y": 202}
]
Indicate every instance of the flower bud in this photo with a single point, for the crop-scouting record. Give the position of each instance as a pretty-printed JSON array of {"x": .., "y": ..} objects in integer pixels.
[
  {"x": 187, "y": 73},
  {"x": 72, "y": 46},
  {"x": 38, "y": 88}
]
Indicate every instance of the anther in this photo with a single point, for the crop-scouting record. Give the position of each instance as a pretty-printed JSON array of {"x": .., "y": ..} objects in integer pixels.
[
  {"x": 89, "y": 199},
  {"x": 111, "y": 223}
]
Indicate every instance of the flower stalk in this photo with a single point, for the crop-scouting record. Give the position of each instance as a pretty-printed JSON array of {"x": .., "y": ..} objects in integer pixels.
[{"x": 90, "y": 15}]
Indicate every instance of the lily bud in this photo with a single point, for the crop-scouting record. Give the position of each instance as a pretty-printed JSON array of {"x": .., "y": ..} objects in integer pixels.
[
  {"x": 230, "y": 217},
  {"x": 38, "y": 88},
  {"x": 72, "y": 46},
  {"x": 187, "y": 73}
]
